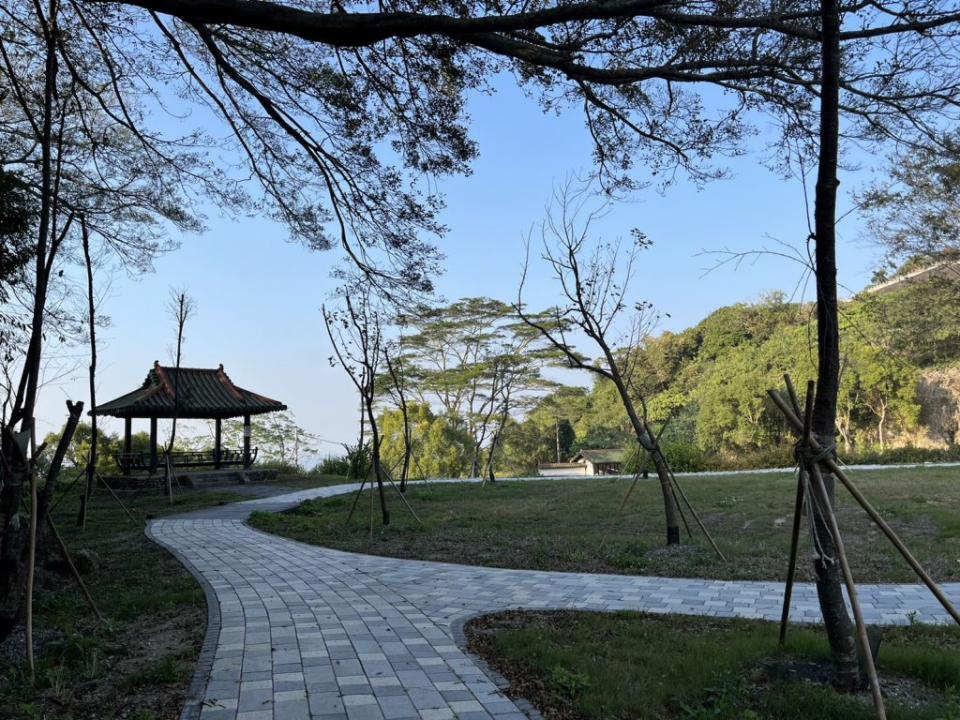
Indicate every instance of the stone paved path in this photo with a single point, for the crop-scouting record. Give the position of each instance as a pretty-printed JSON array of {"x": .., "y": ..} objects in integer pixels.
[{"x": 298, "y": 631}]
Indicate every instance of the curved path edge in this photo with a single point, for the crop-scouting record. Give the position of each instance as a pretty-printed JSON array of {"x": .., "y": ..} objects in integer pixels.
[{"x": 301, "y": 631}]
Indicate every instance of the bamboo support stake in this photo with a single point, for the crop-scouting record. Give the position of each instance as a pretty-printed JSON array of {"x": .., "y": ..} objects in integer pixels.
[
  {"x": 797, "y": 508},
  {"x": 371, "y": 510},
  {"x": 619, "y": 513},
  {"x": 61, "y": 494},
  {"x": 866, "y": 654},
  {"x": 117, "y": 498},
  {"x": 404, "y": 500},
  {"x": 676, "y": 501},
  {"x": 792, "y": 565},
  {"x": 696, "y": 516},
  {"x": 169, "y": 475},
  {"x": 792, "y": 392},
  {"x": 74, "y": 571},
  {"x": 31, "y": 560},
  {"x": 834, "y": 468},
  {"x": 356, "y": 499}
]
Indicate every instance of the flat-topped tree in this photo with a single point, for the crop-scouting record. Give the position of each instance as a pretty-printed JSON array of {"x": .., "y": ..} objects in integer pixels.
[
  {"x": 473, "y": 358},
  {"x": 187, "y": 393}
]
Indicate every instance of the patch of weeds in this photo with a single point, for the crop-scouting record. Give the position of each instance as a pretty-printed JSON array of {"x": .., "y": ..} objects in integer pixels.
[
  {"x": 144, "y": 715},
  {"x": 628, "y": 556},
  {"x": 569, "y": 684},
  {"x": 31, "y": 711},
  {"x": 723, "y": 701},
  {"x": 167, "y": 671}
]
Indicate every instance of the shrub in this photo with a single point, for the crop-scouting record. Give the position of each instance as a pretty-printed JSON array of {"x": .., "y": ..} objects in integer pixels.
[
  {"x": 681, "y": 455},
  {"x": 906, "y": 455},
  {"x": 685, "y": 457},
  {"x": 284, "y": 468},
  {"x": 333, "y": 465}
]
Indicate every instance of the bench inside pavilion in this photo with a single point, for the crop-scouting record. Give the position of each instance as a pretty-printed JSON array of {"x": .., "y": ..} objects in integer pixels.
[{"x": 187, "y": 394}]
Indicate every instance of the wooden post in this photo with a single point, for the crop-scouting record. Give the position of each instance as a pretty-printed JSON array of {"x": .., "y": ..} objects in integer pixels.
[
  {"x": 127, "y": 443},
  {"x": 32, "y": 550},
  {"x": 246, "y": 442},
  {"x": 153, "y": 446},
  {"x": 73, "y": 569},
  {"x": 218, "y": 430},
  {"x": 798, "y": 504}
]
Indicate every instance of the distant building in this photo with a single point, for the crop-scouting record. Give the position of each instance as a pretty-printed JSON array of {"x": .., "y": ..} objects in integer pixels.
[
  {"x": 561, "y": 469},
  {"x": 947, "y": 270},
  {"x": 586, "y": 463}
]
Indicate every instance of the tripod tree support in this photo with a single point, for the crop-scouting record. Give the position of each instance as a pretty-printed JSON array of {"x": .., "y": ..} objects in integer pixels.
[
  {"x": 809, "y": 459},
  {"x": 389, "y": 476},
  {"x": 839, "y": 473}
]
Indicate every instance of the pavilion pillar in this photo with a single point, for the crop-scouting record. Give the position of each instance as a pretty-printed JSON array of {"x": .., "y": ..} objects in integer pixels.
[
  {"x": 218, "y": 430},
  {"x": 153, "y": 446},
  {"x": 127, "y": 443},
  {"x": 246, "y": 441}
]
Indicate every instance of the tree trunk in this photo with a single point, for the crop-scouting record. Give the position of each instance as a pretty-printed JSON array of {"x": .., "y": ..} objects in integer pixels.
[
  {"x": 407, "y": 452},
  {"x": 407, "y": 449},
  {"x": 26, "y": 397},
  {"x": 828, "y": 580},
  {"x": 488, "y": 471},
  {"x": 475, "y": 465},
  {"x": 94, "y": 436},
  {"x": 13, "y": 541},
  {"x": 375, "y": 451},
  {"x": 669, "y": 501},
  {"x": 649, "y": 443},
  {"x": 557, "y": 429},
  {"x": 883, "y": 420}
]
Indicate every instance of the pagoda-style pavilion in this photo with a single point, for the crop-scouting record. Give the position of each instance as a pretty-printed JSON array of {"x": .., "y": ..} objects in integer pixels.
[{"x": 187, "y": 393}]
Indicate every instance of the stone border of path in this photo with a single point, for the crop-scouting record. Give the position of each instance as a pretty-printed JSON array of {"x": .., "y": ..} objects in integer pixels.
[
  {"x": 458, "y": 629},
  {"x": 309, "y": 598},
  {"x": 198, "y": 683}
]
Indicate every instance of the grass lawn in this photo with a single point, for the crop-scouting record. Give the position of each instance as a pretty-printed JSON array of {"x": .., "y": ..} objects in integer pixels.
[
  {"x": 575, "y": 665},
  {"x": 304, "y": 481},
  {"x": 558, "y": 524},
  {"x": 140, "y": 666}
]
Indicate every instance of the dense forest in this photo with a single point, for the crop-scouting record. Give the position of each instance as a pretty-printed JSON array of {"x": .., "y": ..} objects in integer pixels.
[{"x": 899, "y": 398}]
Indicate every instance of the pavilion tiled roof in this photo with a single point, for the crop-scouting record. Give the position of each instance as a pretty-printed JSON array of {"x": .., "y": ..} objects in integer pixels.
[{"x": 203, "y": 393}]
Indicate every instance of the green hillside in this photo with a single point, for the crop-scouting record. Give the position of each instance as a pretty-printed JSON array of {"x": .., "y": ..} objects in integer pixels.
[{"x": 899, "y": 396}]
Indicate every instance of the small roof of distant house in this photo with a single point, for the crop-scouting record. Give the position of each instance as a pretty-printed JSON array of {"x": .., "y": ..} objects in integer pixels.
[
  {"x": 198, "y": 393},
  {"x": 608, "y": 455}
]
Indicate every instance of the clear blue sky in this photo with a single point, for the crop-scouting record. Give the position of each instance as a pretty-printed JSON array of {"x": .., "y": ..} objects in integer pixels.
[{"x": 259, "y": 296}]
